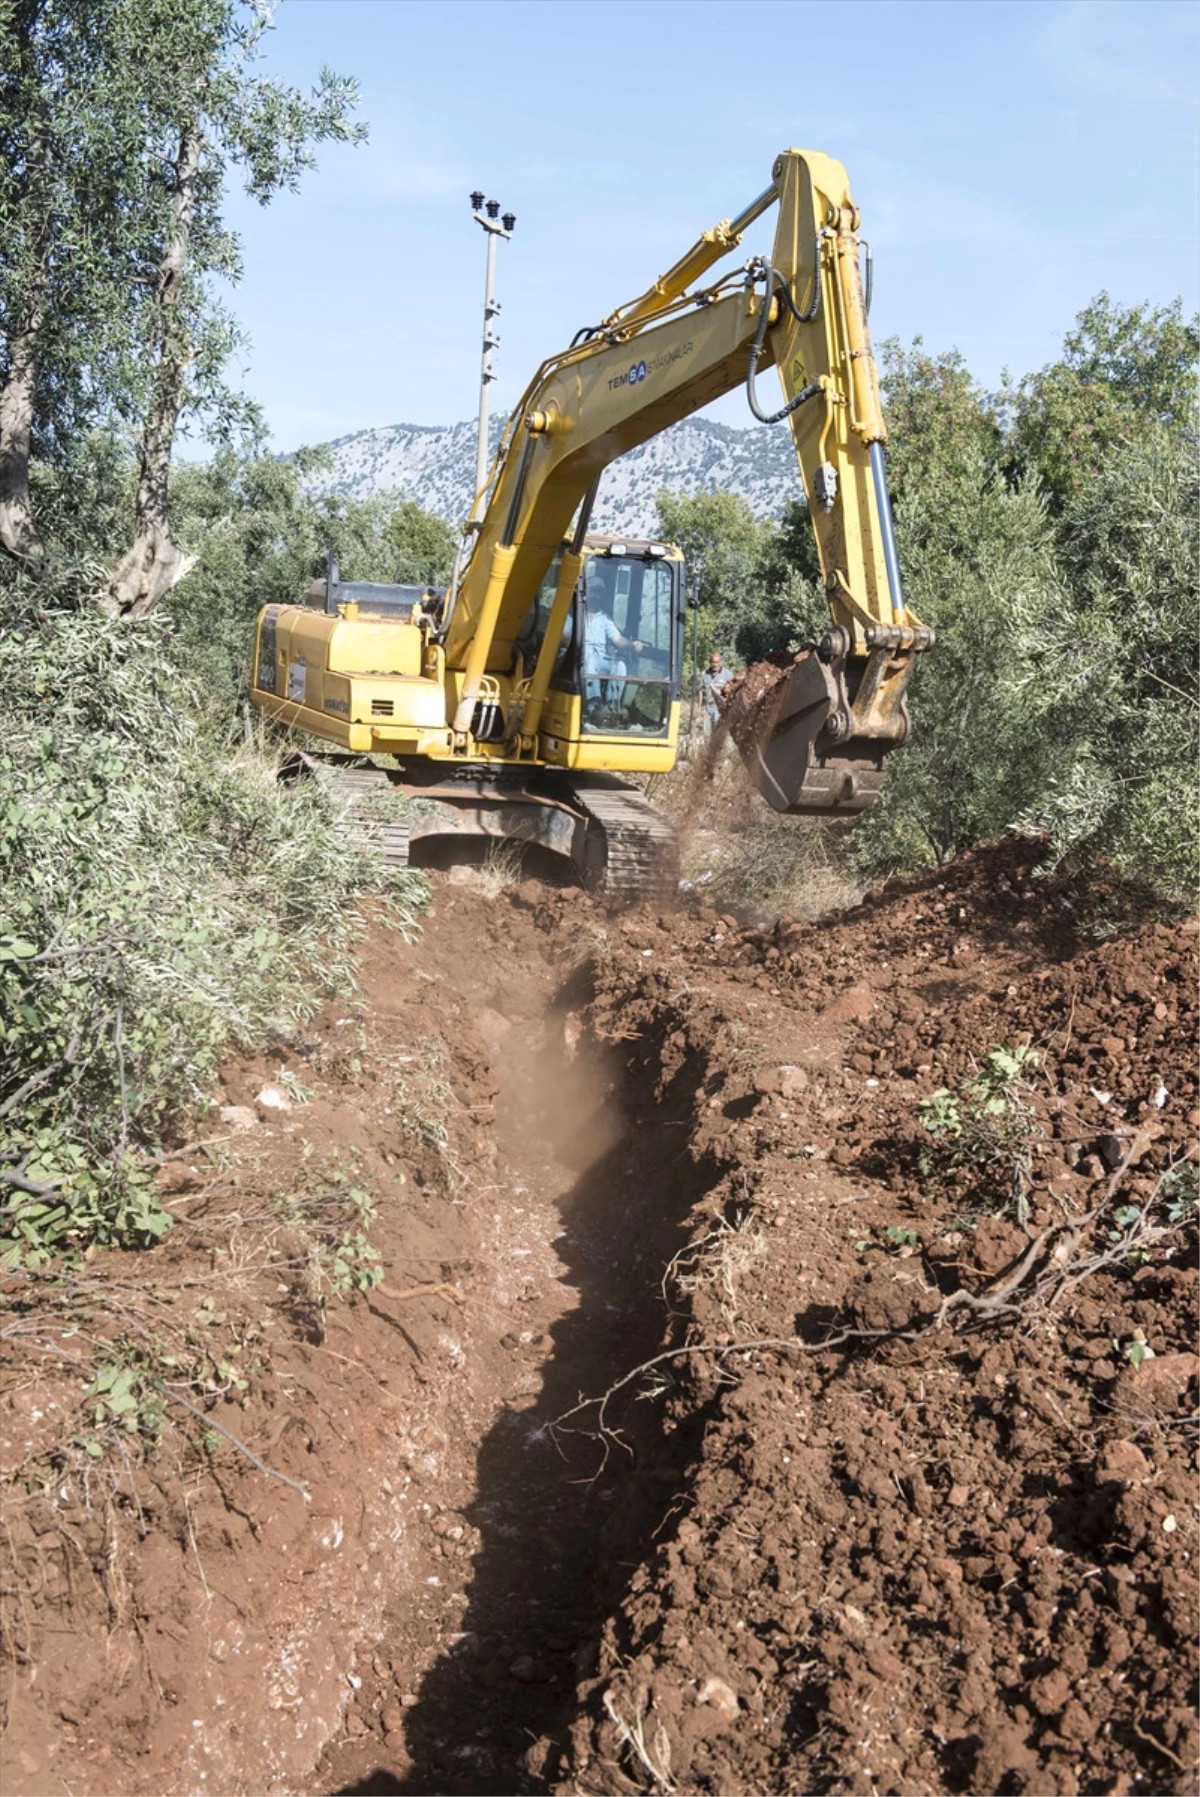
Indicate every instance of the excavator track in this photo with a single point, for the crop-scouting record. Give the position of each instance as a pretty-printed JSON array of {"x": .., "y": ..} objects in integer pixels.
[
  {"x": 362, "y": 795},
  {"x": 641, "y": 852},
  {"x": 629, "y": 851}
]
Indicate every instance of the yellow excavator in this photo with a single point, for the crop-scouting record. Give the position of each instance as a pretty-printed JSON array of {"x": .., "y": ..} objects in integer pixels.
[{"x": 511, "y": 703}]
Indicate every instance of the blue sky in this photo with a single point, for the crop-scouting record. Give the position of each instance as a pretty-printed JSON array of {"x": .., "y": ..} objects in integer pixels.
[{"x": 1010, "y": 158}]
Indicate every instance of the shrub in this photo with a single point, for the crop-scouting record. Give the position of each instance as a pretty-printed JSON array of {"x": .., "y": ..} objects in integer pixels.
[
  {"x": 163, "y": 898},
  {"x": 984, "y": 1133},
  {"x": 980, "y": 745}
]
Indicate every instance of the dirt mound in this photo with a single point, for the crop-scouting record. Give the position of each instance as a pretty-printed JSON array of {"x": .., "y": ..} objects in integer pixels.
[{"x": 959, "y": 1558}]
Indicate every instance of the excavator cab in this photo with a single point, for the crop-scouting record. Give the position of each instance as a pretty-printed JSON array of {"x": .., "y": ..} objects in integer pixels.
[
  {"x": 629, "y": 663},
  {"x": 618, "y": 670}
]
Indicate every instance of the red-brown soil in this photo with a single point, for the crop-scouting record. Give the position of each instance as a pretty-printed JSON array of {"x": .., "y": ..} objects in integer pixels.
[
  {"x": 962, "y": 1562},
  {"x": 929, "y": 1559}
]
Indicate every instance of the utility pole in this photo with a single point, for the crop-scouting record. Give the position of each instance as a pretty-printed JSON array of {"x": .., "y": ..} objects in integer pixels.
[{"x": 488, "y": 216}]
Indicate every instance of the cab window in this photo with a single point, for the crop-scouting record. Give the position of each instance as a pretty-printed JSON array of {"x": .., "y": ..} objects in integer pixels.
[
  {"x": 627, "y": 675},
  {"x": 529, "y": 639}
]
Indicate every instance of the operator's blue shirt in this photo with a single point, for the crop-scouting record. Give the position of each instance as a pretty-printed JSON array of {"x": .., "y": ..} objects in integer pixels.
[{"x": 601, "y": 639}]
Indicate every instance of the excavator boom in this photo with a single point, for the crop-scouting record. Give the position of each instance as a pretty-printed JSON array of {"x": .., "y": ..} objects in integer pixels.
[{"x": 820, "y": 743}]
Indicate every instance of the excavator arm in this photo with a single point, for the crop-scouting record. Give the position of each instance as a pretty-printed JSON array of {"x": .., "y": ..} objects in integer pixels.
[{"x": 818, "y": 740}]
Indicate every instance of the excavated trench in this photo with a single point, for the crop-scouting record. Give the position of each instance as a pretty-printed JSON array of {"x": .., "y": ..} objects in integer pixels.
[
  {"x": 416, "y": 1612},
  {"x": 593, "y": 1188},
  {"x": 959, "y": 1560}
]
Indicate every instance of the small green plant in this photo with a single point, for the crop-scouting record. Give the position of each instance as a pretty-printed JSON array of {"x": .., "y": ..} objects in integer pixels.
[
  {"x": 334, "y": 1216},
  {"x": 125, "y": 1395},
  {"x": 900, "y": 1237},
  {"x": 985, "y": 1131},
  {"x": 291, "y": 1083},
  {"x": 1136, "y": 1233},
  {"x": 1181, "y": 1192},
  {"x": 356, "y": 1266},
  {"x": 423, "y": 1099},
  {"x": 1127, "y": 1220}
]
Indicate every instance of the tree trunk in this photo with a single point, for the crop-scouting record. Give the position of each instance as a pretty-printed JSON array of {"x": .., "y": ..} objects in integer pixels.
[
  {"x": 18, "y": 533},
  {"x": 156, "y": 563}
]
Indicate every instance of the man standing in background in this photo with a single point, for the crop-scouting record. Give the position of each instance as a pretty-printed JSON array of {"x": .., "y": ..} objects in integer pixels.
[{"x": 714, "y": 676}]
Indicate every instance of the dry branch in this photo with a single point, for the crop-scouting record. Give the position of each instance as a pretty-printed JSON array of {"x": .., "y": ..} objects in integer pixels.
[
  {"x": 210, "y": 1422},
  {"x": 1055, "y": 1250}
]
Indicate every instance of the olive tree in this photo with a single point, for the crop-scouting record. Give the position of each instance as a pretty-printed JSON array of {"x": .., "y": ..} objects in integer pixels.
[
  {"x": 213, "y": 112},
  {"x": 120, "y": 124},
  {"x": 72, "y": 188},
  {"x": 1122, "y": 369}
]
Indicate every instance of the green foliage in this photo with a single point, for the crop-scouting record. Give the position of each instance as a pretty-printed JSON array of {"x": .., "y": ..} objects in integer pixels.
[
  {"x": 786, "y": 619},
  {"x": 259, "y": 534},
  {"x": 1122, "y": 370},
  {"x": 788, "y": 548},
  {"x": 1181, "y": 1193},
  {"x": 126, "y": 1395},
  {"x": 120, "y": 122},
  {"x": 720, "y": 538},
  {"x": 73, "y": 171},
  {"x": 83, "y": 499},
  {"x": 942, "y": 427},
  {"x": 759, "y": 583},
  {"x": 421, "y": 547},
  {"x": 899, "y": 1237},
  {"x": 984, "y": 1133},
  {"x": 333, "y": 1214},
  {"x": 250, "y": 527},
  {"x": 193, "y": 68},
  {"x": 162, "y": 898},
  {"x": 1056, "y": 562},
  {"x": 384, "y": 537},
  {"x": 1108, "y": 679},
  {"x": 972, "y": 555},
  {"x": 787, "y": 607}
]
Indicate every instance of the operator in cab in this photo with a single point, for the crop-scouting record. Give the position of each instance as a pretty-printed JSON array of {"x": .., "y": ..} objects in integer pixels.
[{"x": 603, "y": 640}]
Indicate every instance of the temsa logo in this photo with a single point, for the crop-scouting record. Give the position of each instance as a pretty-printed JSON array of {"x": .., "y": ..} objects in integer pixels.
[
  {"x": 637, "y": 371},
  {"x": 634, "y": 373}
]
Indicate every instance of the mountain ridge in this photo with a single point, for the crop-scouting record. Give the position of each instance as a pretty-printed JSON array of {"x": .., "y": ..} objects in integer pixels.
[{"x": 435, "y": 465}]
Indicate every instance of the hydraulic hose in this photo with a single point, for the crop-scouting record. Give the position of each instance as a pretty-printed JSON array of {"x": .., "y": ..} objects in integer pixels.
[
  {"x": 775, "y": 283},
  {"x": 518, "y": 492}
]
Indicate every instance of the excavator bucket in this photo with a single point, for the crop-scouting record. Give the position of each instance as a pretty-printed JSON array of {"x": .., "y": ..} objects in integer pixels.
[{"x": 814, "y": 732}]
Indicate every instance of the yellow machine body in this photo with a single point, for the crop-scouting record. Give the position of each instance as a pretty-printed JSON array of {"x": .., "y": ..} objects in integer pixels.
[
  {"x": 477, "y": 678},
  {"x": 373, "y": 684}
]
